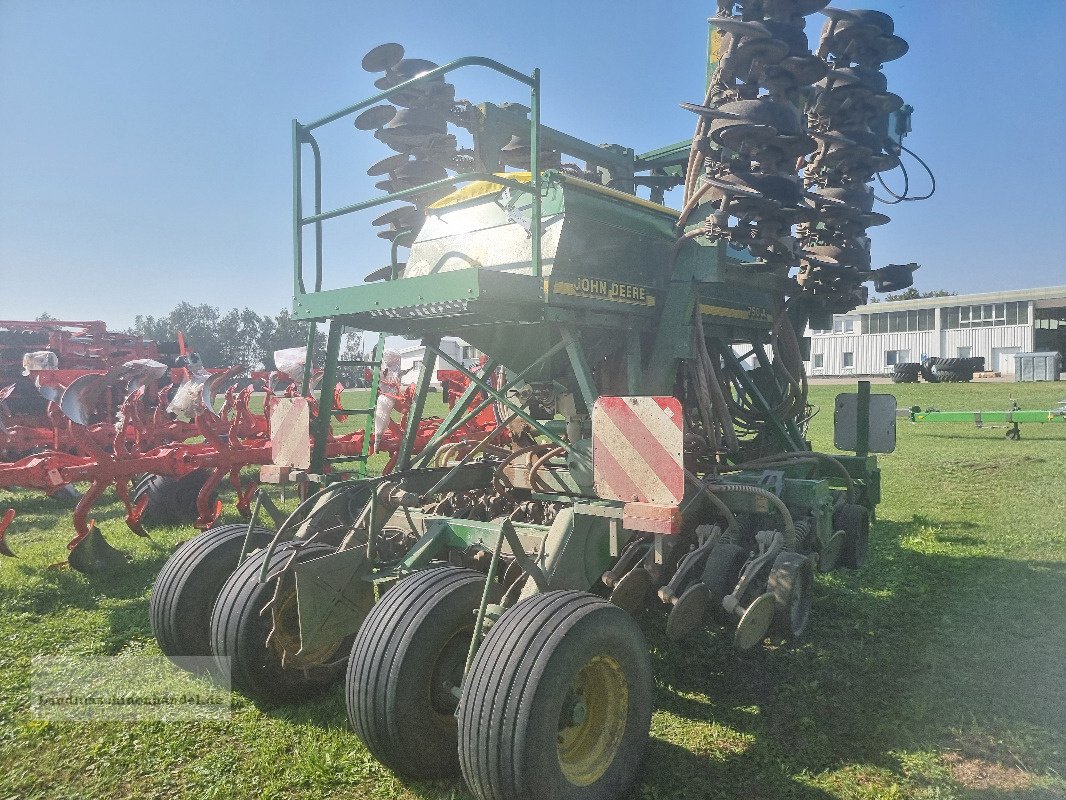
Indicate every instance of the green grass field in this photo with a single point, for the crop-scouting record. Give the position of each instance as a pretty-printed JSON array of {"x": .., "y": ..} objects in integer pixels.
[{"x": 938, "y": 671}]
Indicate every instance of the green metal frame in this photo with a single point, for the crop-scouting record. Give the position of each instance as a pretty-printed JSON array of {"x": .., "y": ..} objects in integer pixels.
[
  {"x": 303, "y": 134},
  {"x": 699, "y": 278}
]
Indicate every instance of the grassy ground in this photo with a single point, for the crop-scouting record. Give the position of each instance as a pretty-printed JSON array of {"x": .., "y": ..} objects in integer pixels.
[{"x": 937, "y": 671}]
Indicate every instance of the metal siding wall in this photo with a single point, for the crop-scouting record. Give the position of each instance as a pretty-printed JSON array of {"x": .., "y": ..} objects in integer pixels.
[
  {"x": 983, "y": 340},
  {"x": 870, "y": 349}
]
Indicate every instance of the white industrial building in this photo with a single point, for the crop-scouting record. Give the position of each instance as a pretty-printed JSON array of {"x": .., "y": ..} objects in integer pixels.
[{"x": 873, "y": 338}]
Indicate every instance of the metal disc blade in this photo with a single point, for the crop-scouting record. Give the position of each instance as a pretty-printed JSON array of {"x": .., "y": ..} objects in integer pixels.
[
  {"x": 631, "y": 592},
  {"x": 383, "y": 57},
  {"x": 755, "y": 623},
  {"x": 403, "y": 217},
  {"x": 387, "y": 165},
  {"x": 375, "y": 117},
  {"x": 688, "y": 613}
]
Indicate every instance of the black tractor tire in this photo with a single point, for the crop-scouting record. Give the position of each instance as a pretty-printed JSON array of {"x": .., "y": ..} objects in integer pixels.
[
  {"x": 406, "y": 658},
  {"x": 557, "y": 703},
  {"x": 171, "y": 501},
  {"x": 953, "y": 364},
  {"x": 854, "y": 520},
  {"x": 720, "y": 574},
  {"x": 952, "y": 376},
  {"x": 188, "y": 584},
  {"x": 240, "y": 626},
  {"x": 906, "y": 373}
]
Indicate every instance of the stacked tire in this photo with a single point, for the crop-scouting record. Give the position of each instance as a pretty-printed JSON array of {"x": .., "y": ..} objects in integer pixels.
[
  {"x": 906, "y": 373},
  {"x": 948, "y": 370}
]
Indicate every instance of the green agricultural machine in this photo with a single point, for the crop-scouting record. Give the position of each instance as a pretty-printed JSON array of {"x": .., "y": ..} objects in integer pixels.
[
  {"x": 1011, "y": 419},
  {"x": 645, "y": 369}
]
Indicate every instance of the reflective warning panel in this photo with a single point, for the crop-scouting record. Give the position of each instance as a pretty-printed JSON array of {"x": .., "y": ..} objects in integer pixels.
[
  {"x": 290, "y": 432},
  {"x": 637, "y": 447}
]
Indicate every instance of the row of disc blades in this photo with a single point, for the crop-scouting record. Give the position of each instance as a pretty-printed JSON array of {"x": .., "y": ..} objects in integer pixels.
[
  {"x": 848, "y": 114},
  {"x": 414, "y": 123},
  {"x": 773, "y": 107}
]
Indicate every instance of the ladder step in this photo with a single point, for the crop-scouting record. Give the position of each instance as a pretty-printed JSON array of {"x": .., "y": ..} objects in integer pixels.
[
  {"x": 336, "y": 459},
  {"x": 338, "y": 411},
  {"x": 358, "y": 363}
]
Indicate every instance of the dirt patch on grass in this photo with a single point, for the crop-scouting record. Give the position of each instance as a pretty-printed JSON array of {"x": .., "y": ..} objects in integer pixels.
[
  {"x": 977, "y": 773},
  {"x": 1007, "y": 461}
]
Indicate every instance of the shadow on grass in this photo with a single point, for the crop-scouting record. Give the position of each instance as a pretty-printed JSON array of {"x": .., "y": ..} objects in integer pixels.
[{"x": 920, "y": 651}]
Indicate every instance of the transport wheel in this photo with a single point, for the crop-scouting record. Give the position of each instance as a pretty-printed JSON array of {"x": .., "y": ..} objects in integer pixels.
[
  {"x": 854, "y": 520},
  {"x": 557, "y": 703},
  {"x": 724, "y": 563},
  {"x": 241, "y": 624},
  {"x": 171, "y": 501},
  {"x": 406, "y": 668},
  {"x": 188, "y": 584},
  {"x": 791, "y": 583}
]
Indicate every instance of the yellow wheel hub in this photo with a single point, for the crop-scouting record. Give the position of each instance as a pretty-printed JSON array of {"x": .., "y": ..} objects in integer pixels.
[{"x": 593, "y": 720}]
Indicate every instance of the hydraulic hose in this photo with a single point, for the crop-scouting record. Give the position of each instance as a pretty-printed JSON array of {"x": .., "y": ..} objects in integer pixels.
[{"x": 774, "y": 500}]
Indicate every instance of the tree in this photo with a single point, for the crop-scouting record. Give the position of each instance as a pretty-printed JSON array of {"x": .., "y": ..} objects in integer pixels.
[
  {"x": 240, "y": 336},
  {"x": 913, "y": 294}
]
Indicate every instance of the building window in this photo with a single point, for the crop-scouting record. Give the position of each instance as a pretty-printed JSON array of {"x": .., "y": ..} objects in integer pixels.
[
  {"x": 922, "y": 319},
  {"x": 986, "y": 315},
  {"x": 843, "y": 325},
  {"x": 848, "y": 360},
  {"x": 893, "y": 357},
  {"x": 963, "y": 352},
  {"x": 818, "y": 361}
]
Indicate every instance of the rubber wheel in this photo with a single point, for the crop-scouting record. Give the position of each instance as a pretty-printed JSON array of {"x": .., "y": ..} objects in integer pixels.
[
  {"x": 906, "y": 373},
  {"x": 406, "y": 658},
  {"x": 171, "y": 501},
  {"x": 188, "y": 584},
  {"x": 854, "y": 520},
  {"x": 724, "y": 563},
  {"x": 240, "y": 626},
  {"x": 557, "y": 703},
  {"x": 952, "y": 376},
  {"x": 953, "y": 364},
  {"x": 791, "y": 582}
]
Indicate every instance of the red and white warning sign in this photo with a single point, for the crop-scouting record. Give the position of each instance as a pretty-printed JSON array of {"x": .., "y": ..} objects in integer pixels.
[{"x": 637, "y": 445}]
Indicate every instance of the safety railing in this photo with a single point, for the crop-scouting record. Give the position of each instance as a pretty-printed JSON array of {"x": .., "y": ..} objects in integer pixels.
[{"x": 302, "y": 135}]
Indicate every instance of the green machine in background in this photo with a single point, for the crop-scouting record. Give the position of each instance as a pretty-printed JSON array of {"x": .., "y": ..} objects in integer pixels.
[
  {"x": 1011, "y": 419},
  {"x": 645, "y": 368}
]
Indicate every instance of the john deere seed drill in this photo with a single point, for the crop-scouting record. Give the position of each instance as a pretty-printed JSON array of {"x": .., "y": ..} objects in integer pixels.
[{"x": 645, "y": 368}]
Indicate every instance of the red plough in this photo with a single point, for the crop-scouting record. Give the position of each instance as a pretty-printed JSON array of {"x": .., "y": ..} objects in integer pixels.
[{"x": 150, "y": 438}]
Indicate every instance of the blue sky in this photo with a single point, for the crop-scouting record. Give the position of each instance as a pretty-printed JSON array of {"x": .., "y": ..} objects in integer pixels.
[{"x": 145, "y": 147}]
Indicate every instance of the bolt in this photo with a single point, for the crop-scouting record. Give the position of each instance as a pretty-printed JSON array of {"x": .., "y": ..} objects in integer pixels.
[{"x": 578, "y": 713}]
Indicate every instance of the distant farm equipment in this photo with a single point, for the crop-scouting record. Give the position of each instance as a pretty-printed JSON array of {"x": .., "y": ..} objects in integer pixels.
[
  {"x": 165, "y": 438},
  {"x": 1012, "y": 418}
]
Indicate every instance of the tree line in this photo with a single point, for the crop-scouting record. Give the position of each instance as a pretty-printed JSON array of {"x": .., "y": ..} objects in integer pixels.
[{"x": 239, "y": 336}]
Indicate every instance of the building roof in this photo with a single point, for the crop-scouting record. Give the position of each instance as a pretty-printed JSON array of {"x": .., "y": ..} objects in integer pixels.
[{"x": 1014, "y": 295}]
